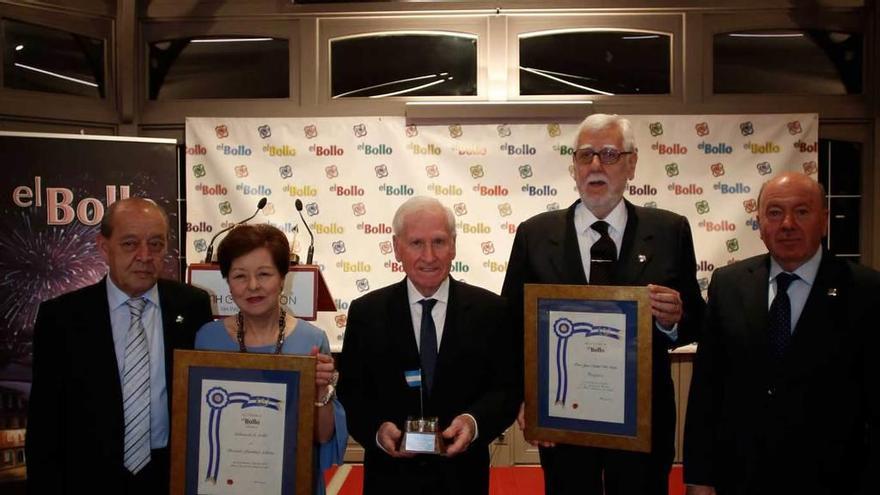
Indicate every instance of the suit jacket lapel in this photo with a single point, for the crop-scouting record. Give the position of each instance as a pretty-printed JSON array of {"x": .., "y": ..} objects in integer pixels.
[
  {"x": 636, "y": 250},
  {"x": 98, "y": 325},
  {"x": 171, "y": 330},
  {"x": 826, "y": 298},
  {"x": 753, "y": 294},
  {"x": 456, "y": 309},
  {"x": 569, "y": 266},
  {"x": 401, "y": 331}
]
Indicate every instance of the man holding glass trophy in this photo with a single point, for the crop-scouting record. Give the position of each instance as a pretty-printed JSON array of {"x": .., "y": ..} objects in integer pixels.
[{"x": 427, "y": 367}]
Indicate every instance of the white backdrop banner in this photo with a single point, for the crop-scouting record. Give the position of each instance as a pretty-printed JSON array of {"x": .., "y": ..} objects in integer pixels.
[{"x": 351, "y": 173}]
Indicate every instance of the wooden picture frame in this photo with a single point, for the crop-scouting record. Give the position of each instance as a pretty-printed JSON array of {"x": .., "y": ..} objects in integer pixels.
[
  {"x": 264, "y": 442},
  {"x": 597, "y": 392}
]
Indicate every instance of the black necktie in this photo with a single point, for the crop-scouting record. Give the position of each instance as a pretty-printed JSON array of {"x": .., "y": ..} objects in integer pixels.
[
  {"x": 428, "y": 343},
  {"x": 779, "y": 327},
  {"x": 603, "y": 255}
]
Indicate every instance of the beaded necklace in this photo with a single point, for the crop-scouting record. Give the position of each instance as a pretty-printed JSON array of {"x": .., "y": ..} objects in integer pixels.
[{"x": 278, "y": 344}]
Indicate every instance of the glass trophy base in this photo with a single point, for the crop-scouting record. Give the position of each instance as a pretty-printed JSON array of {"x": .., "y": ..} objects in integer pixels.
[{"x": 422, "y": 436}]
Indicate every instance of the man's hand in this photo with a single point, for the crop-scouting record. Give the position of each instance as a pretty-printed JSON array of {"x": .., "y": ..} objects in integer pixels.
[
  {"x": 699, "y": 490},
  {"x": 521, "y": 422},
  {"x": 665, "y": 305},
  {"x": 388, "y": 438},
  {"x": 461, "y": 432}
]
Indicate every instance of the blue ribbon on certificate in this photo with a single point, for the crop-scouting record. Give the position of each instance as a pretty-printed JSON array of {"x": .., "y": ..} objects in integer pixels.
[
  {"x": 218, "y": 398},
  {"x": 564, "y": 328}
]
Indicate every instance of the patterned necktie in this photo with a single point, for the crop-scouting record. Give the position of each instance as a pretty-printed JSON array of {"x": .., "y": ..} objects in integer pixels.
[
  {"x": 136, "y": 391},
  {"x": 603, "y": 255},
  {"x": 779, "y": 326},
  {"x": 428, "y": 343}
]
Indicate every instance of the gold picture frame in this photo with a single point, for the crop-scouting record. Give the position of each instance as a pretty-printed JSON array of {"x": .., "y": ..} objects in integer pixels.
[
  {"x": 597, "y": 392},
  {"x": 271, "y": 444}
]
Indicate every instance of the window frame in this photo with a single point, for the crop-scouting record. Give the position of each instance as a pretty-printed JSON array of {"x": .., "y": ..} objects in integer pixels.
[
  {"x": 829, "y": 106},
  {"x": 176, "y": 110},
  {"x": 57, "y": 105},
  {"x": 670, "y": 24},
  {"x": 474, "y": 25}
]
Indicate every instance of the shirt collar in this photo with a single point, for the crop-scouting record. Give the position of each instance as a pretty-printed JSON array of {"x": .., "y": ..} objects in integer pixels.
[
  {"x": 584, "y": 218},
  {"x": 442, "y": 294},
  {"x": 116, "y": 297},
  {"x": 807, "y": 271}
]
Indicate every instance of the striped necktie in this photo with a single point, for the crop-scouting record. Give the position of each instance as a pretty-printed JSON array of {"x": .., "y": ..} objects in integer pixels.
[{"x": 136, "y": 391}]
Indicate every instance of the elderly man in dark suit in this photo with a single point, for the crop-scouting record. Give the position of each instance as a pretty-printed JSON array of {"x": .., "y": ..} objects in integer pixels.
[
  {"x": 459, "y": 337},
  {"x": 98, "y": 416},
  {"x": 785, "y": 396},
  {"x": 603, "y": 239}
]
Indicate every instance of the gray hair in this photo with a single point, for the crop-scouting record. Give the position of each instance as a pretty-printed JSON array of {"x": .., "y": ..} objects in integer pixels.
[
  {"x": 601, "y": 121},
  {"x": 421, "y": 203}
]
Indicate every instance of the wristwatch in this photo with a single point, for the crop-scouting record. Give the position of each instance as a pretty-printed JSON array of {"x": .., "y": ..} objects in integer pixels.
[{"x": 323, "y": 401}]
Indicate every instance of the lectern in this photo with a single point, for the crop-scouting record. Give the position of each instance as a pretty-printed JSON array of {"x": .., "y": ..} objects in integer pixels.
[{"x": 305, "y": 290}]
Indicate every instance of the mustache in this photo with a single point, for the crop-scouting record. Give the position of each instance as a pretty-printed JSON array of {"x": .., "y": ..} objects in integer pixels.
[{"x": 597, "y": 176}]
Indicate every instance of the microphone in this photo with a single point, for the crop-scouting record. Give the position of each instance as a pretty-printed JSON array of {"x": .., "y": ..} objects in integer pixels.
[
  {"x": 299, "y": 208},
  {"x": 210, "y": 253}
]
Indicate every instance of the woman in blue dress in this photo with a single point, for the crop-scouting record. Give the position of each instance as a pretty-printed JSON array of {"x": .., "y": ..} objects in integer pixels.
[{"x": 254, "y": 261}]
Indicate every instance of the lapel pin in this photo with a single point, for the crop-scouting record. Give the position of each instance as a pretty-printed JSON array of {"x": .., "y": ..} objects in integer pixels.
[
  {"x": 179, "y": 319},
  {"x": 642, "y": 258},
  {"x": 832, "y": 292}
]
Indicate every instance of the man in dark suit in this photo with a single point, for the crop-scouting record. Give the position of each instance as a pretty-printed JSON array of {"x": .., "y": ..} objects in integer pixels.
[
  {"x": 457, "y": 335},
  {"x": 99, "y": 411},
  {"x": 606, "y": 240},
  {"x": 785, "y": 396}
]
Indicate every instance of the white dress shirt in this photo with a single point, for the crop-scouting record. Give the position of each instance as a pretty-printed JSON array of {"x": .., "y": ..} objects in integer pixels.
[
  {"x": 586, "y": 237},
  {"x": 120, "y": 319},
  {"x": 800, "y": 288}
]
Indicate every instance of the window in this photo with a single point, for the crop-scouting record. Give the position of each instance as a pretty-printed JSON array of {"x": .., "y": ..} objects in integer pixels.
[
  {"x": 840, "y": 173},
  {"x": 38, "y": 58},
  {"x": 595, "y": 62},
  {"x": 778, "y": 61},
  {"x": 219, "y": 67},
  {"x": 402, "y": 63}
]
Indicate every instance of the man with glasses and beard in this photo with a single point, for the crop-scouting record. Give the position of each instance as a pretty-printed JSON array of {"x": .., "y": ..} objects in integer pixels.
[{"x": 602, "y": 239}]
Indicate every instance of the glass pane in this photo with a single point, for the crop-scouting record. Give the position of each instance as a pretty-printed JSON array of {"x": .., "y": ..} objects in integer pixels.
[
  {"x": 227, "y": 67},
  {"x": 38, "y": 58},
  {"x": 595, "y": 62},
  {"x": 403, "y": 64},
  {"x": 788, "y": 62},
  {"x": 845, "y": 174},
  {"x": 843, "y": 231}
]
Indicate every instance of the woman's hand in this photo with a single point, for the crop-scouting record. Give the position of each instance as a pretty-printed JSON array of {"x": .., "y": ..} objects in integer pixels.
[
  {"x": 325, "y": 376},
  {"x": 325, "y": 371}
]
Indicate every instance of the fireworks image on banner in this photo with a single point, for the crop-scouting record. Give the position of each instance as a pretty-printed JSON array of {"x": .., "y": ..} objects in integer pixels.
[{"x": 38, "y": 264}]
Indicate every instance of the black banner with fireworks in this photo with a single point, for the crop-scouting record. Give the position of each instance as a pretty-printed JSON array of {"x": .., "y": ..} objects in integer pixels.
[{"x": 55, "y": 190}]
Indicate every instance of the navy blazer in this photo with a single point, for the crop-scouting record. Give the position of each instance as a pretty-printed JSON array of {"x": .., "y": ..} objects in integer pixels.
[
  {"x": 807, "y": 424},
  {"x": 474, "y": 374},
  {"x": 657, "y": 248},
  {"x": 75, "y": 429}
]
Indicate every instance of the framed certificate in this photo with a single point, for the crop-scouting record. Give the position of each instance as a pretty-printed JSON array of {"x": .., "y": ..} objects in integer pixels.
[
  {"x": 588, "y": 365},
  {"x": 242, "y": 423}
]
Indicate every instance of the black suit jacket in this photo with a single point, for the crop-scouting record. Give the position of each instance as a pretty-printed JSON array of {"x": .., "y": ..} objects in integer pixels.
[
  {"x": 75, "y": 428},
  {"x": 474, "y": 374},
  {"x": 545, "y": 251},
  {"x": 806, "y": 425}
]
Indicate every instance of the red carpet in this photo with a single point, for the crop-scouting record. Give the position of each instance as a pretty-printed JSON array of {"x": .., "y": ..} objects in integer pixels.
[{"x": 519, "y": 480}]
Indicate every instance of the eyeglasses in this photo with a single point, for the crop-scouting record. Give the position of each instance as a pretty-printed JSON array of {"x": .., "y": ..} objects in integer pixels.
[{"x": 607, "y": 156}]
